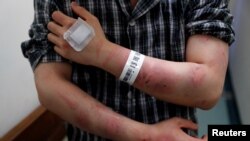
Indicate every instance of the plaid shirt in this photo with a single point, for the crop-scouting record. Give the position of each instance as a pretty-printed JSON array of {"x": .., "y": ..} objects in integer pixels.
[{"x": 158, "y": 28}]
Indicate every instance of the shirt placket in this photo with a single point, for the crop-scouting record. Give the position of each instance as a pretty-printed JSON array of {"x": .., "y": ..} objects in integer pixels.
[{"x": 141, "y": 8}]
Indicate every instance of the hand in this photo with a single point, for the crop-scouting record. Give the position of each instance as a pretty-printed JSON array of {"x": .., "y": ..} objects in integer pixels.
[
  {"x": 171, "y": 130},
  {"x": 60, "y": 25}
]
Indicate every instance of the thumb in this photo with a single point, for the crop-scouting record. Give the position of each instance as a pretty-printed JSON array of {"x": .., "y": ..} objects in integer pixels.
[
  {"x": 184, "y": 123},
  {"x": 81, "y": 12}
]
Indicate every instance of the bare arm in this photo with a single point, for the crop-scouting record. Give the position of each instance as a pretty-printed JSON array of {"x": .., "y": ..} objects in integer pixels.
[
  {"x": 197, "y": 82},
  {"x": 60, "y": 96}
]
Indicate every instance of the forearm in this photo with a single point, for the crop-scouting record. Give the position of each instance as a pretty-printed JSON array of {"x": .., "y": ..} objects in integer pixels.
[
  {"x": 185, "y": 83},
  {"x": 75, "y": 106},
  {"x": 166, "y": 80}
]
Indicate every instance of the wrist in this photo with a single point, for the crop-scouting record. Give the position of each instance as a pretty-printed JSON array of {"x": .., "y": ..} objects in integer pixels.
[
  {"x": 101, "y": 53},
  {"x": 111, "y": 57},
  {"x": 140, "y": 133},
  {"x": 145, "y": 134}
]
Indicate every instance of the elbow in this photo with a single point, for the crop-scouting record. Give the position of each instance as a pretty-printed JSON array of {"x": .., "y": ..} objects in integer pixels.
[
  {"x": 41, "y": 83},
  {"x": 209, "y": 103},
  {"x": 208, "y": 86},
  {"x": 46, "y": 86},
  {"x": 45, "y": 82},
  {"x": 41, "y": 98},
  {"x": 211, "y": 97},
  {"x": 47, "y": 77}
]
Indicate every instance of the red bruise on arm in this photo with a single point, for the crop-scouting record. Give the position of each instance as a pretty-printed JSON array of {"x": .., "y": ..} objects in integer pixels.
[
  {"x": 96, "y": 118},
  {"x": 81, "y": 120},
  {"x": 176, "y": 83},
  {"x": 149, "y": 81},
  {"x": 60, "y": 96},
  {"x": 112, "y": 126},
  {"x": 197, "y": 75}
]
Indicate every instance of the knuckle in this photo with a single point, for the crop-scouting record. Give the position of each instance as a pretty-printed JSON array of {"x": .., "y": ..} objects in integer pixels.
[
  {"x": 65, "y": 49},
  {"x": 49, "y": 25},
  {"x": 64, "y": 45},
  {"x": 69, "y": 23},
  {"x": 64, "y": 54},
  {"x": 54, "y": 14},
  {"x": 49, "y": 36},
  {"x": 178, "y": 120},
  {"x": 94, "y": 18}
]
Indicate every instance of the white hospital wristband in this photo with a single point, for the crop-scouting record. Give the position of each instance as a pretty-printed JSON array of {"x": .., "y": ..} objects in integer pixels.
[
  {"x": 79, "y": 35},
  {"x": 132, "y": 67}
]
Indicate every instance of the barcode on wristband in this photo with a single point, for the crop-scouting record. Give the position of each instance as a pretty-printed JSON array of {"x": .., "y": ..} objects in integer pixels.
[
  {"x": 137, "y": 57},
  {"x": 132, "y": 67},
  {"x": 128, "y": 75}
]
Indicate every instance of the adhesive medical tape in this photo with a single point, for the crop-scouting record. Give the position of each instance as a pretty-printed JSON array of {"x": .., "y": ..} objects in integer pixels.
[
  {"x": 79, "y": 35},
  {"x": 132, "y": 67}
]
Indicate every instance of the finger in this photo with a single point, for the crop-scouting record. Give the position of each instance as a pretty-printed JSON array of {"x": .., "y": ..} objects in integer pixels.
[
  {"x": 65, "y": 52},
  {"x": 57, "y": 41},
  {"x": 56, "y": 29},
  {"x": 59, "y": 51},
  {"x": 184, "y": 123},
  {"x": 62, "y": 19},
  {"x": 81, "y": 12}
]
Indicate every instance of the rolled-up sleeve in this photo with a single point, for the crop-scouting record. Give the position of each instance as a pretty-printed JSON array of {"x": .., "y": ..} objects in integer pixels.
[
  {"x": 38, "y": 49},
  {"x": 210, "y": 17}
]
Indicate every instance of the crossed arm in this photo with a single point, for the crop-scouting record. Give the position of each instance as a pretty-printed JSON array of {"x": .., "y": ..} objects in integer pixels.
[
  {"x": 60, "y": 96},
  {"x": 197, "y": 82}
]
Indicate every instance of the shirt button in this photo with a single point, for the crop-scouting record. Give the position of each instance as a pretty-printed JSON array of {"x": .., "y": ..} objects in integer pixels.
[
  {"x": 129, "y": 95},
  {"x": 132, "y": 23}
]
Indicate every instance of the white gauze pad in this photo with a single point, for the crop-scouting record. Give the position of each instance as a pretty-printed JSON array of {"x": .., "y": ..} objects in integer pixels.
[{"x": 79, "y": 35}]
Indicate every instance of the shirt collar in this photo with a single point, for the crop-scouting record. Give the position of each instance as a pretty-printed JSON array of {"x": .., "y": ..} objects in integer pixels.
[{"x": 142, "y": 7}]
